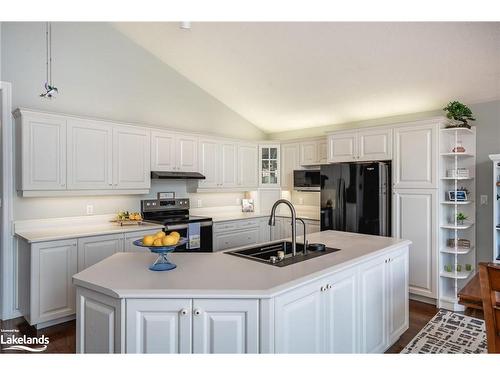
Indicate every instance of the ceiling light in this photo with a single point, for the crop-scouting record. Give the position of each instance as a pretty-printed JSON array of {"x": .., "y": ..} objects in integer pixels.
[{"x": 186, "y": 25}]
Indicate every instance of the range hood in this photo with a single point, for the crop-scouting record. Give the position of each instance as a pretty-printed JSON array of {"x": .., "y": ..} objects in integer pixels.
[{"x": 157, "y": 175}]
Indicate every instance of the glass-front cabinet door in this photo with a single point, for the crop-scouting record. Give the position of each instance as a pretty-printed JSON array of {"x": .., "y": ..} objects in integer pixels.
[{"x": 269, "y": 165}]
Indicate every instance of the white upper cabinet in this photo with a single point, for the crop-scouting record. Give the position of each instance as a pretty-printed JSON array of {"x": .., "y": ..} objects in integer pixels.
[
  {"x": 375, "y": 144},
  {"x": 90, "y": 155},
  {"x": 322, "y": 152},
  {"x": 173, "y": 152},
  {"x": 342, "y": 147},
  {"x": 269, "y": 166},
  {"x": 209, "y": 163},
  {"x": 290, "y": 155},
  {"x": 415, "y": 154},
  {"x": 360, "y": 145},
  {"x": 131, "y": 158},
  {"x": 313, "y": 152},
  {"x": 248, "y": 159},
  {"x": 229, "y": 164},
  {"x": 187, "y": 153},
  {"x": 43, "y": 151}
]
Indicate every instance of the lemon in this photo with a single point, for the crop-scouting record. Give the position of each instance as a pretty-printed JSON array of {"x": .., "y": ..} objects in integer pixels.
[
  {"x": 160, "y": 234},
  {"x": 175, "y": 234},
  {"x": 157, "y": 242},
  {"x": 169, "y": 240},
  {"x": 148, "y": 240}
]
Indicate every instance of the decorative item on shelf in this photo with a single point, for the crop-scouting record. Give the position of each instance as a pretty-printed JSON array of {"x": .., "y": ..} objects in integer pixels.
[
  {"x": 461, "y": 218},
  {"x": 457, "y": 173},
  {"x": 447, "y": 268},
  {"x": 459, "y": 195},
  {"x": 458, "y": 242},
  {"x": 459, "y": 268},
  {"x": 459, "y": 114},
  {"x": 247, "y": 205},
  {"x": 162, "y": 244},
  {"x": 468, "y": 267},
  {"x": 458, "y": 148}
]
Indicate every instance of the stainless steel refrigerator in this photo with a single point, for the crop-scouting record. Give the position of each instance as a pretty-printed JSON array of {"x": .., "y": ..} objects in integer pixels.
[{"x": 356, "y": 197}]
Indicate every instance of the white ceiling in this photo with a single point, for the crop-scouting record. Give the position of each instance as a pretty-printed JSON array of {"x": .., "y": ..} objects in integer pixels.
[{"x": 285, "y": 76}]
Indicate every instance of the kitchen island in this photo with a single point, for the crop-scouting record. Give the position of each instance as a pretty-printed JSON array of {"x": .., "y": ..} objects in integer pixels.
[{"x": 353, "y": 300}]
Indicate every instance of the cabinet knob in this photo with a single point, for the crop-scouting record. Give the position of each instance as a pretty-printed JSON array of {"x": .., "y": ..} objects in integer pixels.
[
  {"x": 328, "y": 286},
  {"x": 184, "y": 312},
  {"x": 323, "y": 288},
  {"x": 197, "y": 312}
]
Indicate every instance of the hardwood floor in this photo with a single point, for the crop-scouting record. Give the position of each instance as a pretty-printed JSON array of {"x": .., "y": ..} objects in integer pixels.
[{"x": 62, "y": 337}]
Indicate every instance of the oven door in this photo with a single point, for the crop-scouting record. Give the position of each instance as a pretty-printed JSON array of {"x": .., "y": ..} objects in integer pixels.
[{"x": 206, "y": 245}]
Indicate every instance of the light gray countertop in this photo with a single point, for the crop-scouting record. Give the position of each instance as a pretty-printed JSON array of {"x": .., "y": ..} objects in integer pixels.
[
  {"x": 77, "y": 231},
  {"x": 219, "y": 275}
]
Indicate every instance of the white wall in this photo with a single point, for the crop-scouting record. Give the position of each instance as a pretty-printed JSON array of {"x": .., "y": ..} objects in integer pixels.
[{"x": 101, "y": 73}]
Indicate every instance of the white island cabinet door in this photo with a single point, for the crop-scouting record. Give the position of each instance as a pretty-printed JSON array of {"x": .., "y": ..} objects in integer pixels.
[
  {"x": 131, "y": 158},
  {"x": 90, "y": 155},
  {"x": 415, "y": 157},
  {"x": 92, "y": 250},
  {"x": 373, "y": 302},
  {"x": 299, "y": 320},
  {"x": 225, "y": 326},
  {"x": 163, "y": 155},
  {"x": 159, "y": 326},
  {"x": 43, "y": 152},
  {"x": 53, "y": 265},
  {"x": 397, "y": 273},
  {"x": 342, "y": 314}
]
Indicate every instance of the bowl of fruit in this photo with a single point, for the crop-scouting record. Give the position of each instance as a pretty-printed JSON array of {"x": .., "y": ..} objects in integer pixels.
[
  {"x": 128, "y": 218},
  {"x": 161, "y": 244}
]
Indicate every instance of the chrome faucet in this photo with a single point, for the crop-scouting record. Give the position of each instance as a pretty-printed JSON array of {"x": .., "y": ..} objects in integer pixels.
[{"x": 272, "y": 221}]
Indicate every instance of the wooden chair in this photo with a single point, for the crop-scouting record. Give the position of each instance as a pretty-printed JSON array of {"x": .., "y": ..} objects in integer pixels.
[{"x": 489, "y": 276}]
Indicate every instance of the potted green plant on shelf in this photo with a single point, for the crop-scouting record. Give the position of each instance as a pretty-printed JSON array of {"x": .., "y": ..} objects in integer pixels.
[
  {"x": 461, "y": 218},
  {"x": 459, "y": 113}
]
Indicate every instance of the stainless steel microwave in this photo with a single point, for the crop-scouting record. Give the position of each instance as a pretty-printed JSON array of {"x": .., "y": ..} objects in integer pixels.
[{"x": 307, "y": 179}]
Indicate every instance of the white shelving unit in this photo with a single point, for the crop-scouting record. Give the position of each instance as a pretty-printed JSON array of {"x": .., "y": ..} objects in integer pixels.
[
  {"x": 453, "y": 255},
  {"x": 496, "y": 209}
]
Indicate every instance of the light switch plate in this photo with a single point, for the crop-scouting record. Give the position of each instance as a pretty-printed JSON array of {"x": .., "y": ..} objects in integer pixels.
[
  {"x": 90, "y": 209},
  {"x": 200, "y": 203}
]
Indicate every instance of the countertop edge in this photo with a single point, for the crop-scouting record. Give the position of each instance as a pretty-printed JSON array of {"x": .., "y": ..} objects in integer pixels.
[{"x": 245, "y": 294}]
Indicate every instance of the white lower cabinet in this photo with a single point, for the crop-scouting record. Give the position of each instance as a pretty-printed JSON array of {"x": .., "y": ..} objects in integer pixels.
[
  {"x": 384, "y": 301},
  {"x": 52, "y": 294},
  {"x": 225, "y": 326},
  {"x": 92, "y": 250},
  {"x": 159, "y": 326},
  {"x": 236, "y": 233},
  {"x": 192, "y": 325},
  {"x": 320, "y": 317}
]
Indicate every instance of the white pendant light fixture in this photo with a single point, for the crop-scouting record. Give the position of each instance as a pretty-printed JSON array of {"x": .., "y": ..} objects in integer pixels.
[{"x": 49, "y": 89}]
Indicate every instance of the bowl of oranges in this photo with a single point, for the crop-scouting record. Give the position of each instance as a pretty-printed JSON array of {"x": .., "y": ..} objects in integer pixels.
[{"x": 162, "y": 244}]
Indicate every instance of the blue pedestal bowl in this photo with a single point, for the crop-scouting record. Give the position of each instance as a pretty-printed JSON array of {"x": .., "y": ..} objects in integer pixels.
[{"x": 162, "y": 263}]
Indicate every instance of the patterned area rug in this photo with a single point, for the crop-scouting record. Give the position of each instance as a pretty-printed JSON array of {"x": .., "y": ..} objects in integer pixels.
[{"x": 449, "y": 333}]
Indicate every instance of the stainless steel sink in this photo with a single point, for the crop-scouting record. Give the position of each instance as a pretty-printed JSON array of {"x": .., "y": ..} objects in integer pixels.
[{"x": 269, "y": 253}]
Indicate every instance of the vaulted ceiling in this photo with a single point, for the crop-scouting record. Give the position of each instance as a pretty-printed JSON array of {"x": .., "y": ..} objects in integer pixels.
[{"x": 286, "y": 76}]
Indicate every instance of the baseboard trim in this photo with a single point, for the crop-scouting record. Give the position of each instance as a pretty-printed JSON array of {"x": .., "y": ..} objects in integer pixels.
[
  {"x": 55, "y": 322},
  {"x": 430, "y": 301}
]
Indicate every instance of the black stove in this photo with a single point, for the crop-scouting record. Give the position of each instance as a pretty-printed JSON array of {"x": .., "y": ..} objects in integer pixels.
[{"x": 174, "y": 214}]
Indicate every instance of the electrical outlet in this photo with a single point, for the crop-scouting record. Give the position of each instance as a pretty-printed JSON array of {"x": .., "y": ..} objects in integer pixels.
[
  {"x": 90, "y": 209},
  {"x": 301, "y": 200},
  {"x": 200, "y": 203},
  {"x": 484, "y": 200},
  {"x": 238, "y": 201}
]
